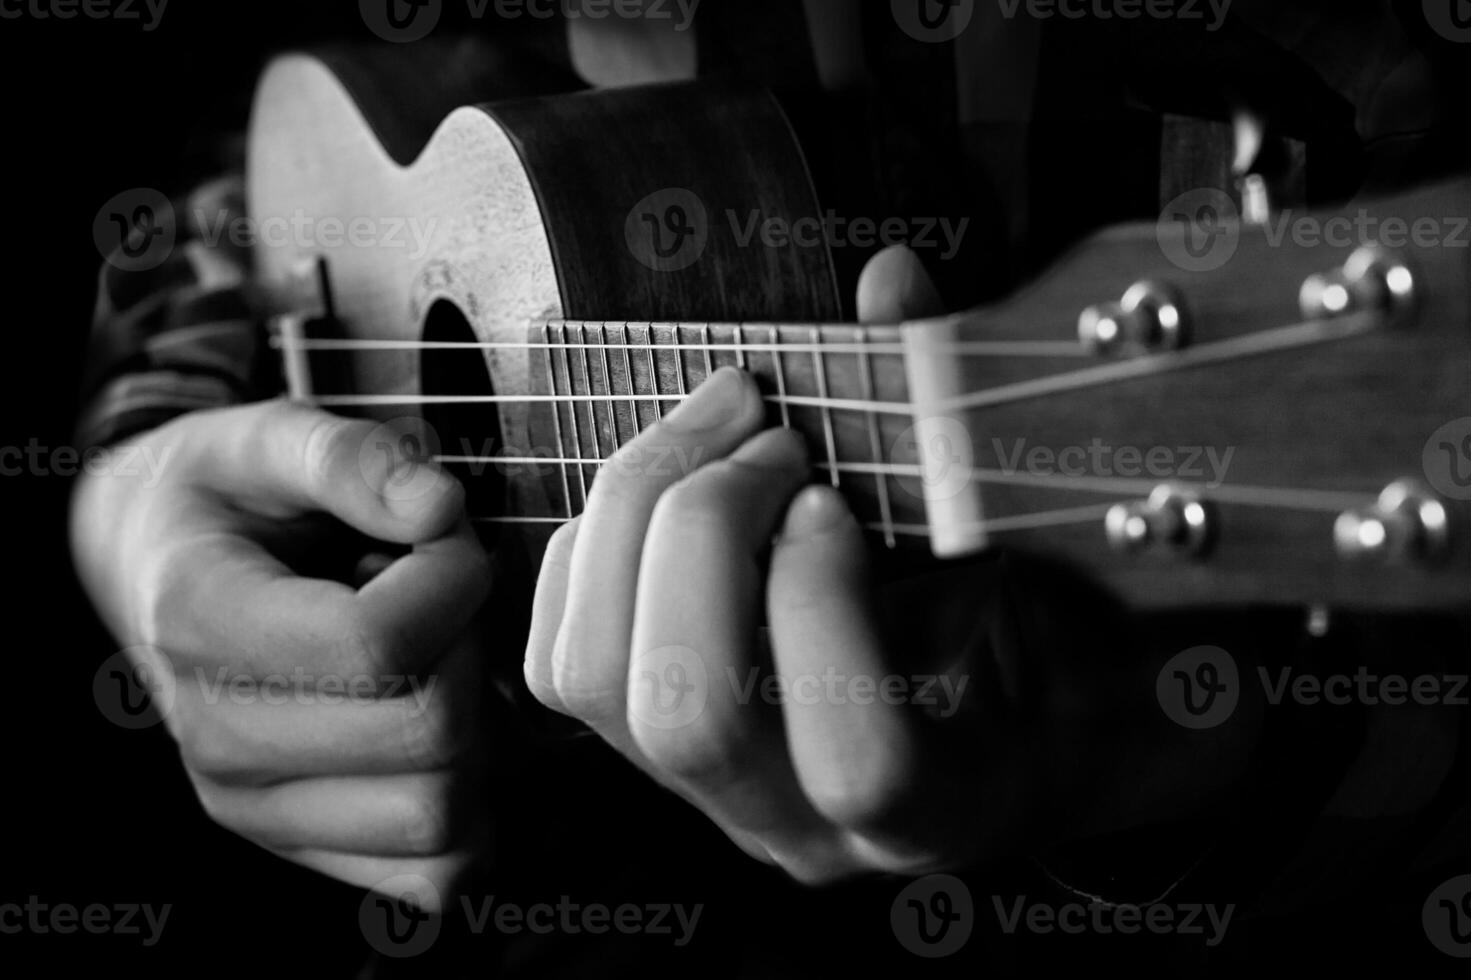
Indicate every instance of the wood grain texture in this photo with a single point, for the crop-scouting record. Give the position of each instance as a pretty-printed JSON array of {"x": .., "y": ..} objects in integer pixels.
[{"x": 1349, "y": 416}]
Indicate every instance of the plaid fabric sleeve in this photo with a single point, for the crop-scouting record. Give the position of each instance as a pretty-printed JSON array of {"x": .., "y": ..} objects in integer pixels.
[{"x": 175, "y": 326}]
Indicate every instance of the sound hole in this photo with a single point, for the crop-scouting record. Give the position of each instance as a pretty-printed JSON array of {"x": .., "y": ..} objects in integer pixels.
[{"x": 463, "y": 430}]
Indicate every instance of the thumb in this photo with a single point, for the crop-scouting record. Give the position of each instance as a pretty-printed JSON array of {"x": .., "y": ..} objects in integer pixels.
[
  {"x": 282, "y": 460},
  {"x": 895, "y": 287}
]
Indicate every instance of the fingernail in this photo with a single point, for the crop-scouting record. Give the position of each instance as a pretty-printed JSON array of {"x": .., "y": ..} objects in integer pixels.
[
  {"x": 816, "y": 510},
  {"x": 718, "y": 401}
]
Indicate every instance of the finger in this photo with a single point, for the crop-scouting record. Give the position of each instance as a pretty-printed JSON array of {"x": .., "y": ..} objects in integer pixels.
[
  {"x": 434, "y": 880},
  {"x": 694, "y": 709},
  {"x": 590, "y": 657},
  {"x": 283, "y": 459},
  {"x": 895, "y": 287},
  {"x": 253, "y": 734},
  {"x": 546, "y": 615},
  {"x": 406, "y": 815},
  {"x": 221, "y": 600},
  {"x": 853, "y": 741}
]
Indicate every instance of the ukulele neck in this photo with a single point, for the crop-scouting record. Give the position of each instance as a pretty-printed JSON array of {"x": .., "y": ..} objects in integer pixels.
[{"x": 844, "y": 387}]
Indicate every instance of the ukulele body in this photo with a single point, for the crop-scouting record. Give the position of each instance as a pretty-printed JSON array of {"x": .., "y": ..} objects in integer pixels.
[{"x": 504, "y": 220}]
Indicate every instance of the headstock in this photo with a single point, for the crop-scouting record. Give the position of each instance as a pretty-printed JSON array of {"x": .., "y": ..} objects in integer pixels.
[{"x": 1202, "y": 412}]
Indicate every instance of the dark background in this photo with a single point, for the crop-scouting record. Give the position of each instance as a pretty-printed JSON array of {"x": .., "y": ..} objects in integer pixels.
[{"x": 93, "y": 813}]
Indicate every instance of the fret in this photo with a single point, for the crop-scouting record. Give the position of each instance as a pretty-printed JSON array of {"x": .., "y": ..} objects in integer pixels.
[
  {"x": 572, "y": 413},
  {"x": 557, "y": 420},
  {"x": 705, "y": 343},
  {"x": 678, "y": 365},
  {"x": 781, "y": 378},
  {"x": 875, "y": 444},
  {"x": 740, "y": 344},
  {"x": 628, "y": 374},
  {"x": 829, "y": 436},
  {"x": 654, "y": 375},
  {"x": 592, "y": 408},
  {"x": 608, "y": 387}
]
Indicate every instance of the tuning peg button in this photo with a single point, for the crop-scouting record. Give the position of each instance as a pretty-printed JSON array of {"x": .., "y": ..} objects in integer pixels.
[
  {"x": 1173, "y": 519},
  {"x": 1407, "y": 524},
  {"x": 1149, "y": 319},
  {"x": 1371, "y": 281}
]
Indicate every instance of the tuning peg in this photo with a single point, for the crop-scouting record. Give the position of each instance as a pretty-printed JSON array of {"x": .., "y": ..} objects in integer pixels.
[
  {"x": 1150, "y": 318},
  {"x": 1407, "y": 524},
  {"x": 1172, "y": 518},
  {"x": 1372, "y": 280}
]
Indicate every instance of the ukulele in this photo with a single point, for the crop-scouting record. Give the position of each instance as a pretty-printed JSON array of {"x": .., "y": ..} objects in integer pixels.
[{"x": 1189, "y": 414}]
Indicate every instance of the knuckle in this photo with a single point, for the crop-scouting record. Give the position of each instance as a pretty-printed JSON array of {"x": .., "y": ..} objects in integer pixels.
[
  {"x": 435, "y": 739},
  {"x": 559, "y": 547},
  {"x": 585, "y": 694},
  {"x": 326, "y": 441},
  {"x": 581, "y": 701},
  {"x": 699, "y": 504},
  {"x": 813, "y": 867},
  {"x": 426, "y": 820},
  {"x": 211, "y": 801},
  {"x": 545, "y": 694},
  {"x": 167, "y": 578},
  {"x": 854, "y": 802},
  {"x": 205, "y": 751},
  {"x": 702, "y": 753},
  {"x": 370, "y": 650},
  {"x": 478, "y": 566},
  {"x": 619, "y": 484}
]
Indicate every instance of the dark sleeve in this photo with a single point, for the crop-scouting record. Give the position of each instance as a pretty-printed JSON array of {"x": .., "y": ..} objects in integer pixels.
[{"x": 175, "y": 327}]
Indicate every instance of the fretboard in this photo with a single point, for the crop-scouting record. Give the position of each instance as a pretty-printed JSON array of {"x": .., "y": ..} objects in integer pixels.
[{"x": 842, "y": 386}]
